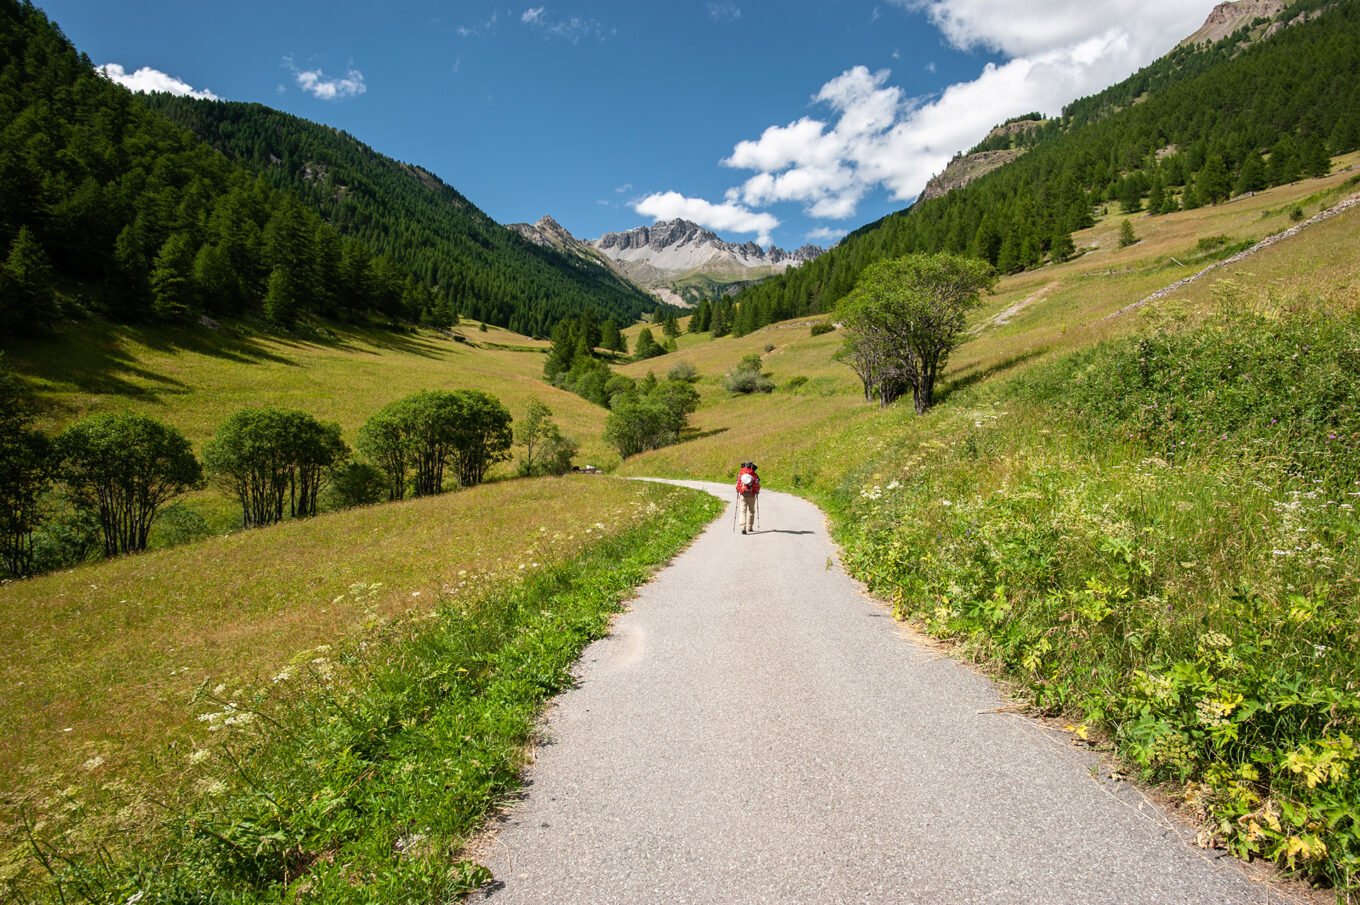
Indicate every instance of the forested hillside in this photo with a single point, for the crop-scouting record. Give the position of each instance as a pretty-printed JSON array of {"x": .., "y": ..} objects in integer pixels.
[
  {"x": 482, "y": 269},
  {"x": 107, "y": 206},
  {"x": 1195, "y": 128}
]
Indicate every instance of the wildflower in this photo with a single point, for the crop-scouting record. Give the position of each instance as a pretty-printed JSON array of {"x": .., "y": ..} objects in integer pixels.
[
  {"x": 199, "y": 756},
  {"x": 219, "y": 690},
  {"x": 94, "y": 763},
  {"x": 284, "y": 675}
]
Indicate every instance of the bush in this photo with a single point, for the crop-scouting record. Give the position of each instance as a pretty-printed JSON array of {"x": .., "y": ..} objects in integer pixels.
[
  {"x": 684, "y": 371},
  {"x": 795, "y": 383},
  {"x": 822, "y": 327},
  {"x": 355, "y": 484},
  {"x": 123, "y": 468},
  {"x": 748, "y": 377},
  {"x": 1242, "y": 385},
  {"x": 769, "y": 347}
]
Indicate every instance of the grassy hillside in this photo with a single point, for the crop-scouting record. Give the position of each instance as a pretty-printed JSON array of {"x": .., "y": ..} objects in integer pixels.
[
  {"x": 1146, "y": 520},
  {"x": 1031, "y": 317},
  {"x": 194, "y": 379}
]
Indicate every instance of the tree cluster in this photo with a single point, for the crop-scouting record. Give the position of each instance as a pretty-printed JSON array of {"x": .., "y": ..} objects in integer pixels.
[
  {"x": 107, "y": 478},
  {"x": 904, "y": 317},
  {"x": 413, "y": 440},
  {"x": 1192, "y": 129},
  {"x": 649, "y": 413}
]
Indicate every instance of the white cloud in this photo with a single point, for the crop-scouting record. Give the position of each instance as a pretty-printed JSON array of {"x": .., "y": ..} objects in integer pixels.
[
  {"x": 573, "y": 28},
  {"x": 826, "y": 234},
  {"x": 727, "y": 217},
  {"x": 1021, "y": 28},
  {"x": 315, "y": 83},
  {"x": 724, "y": 12},
  {"x": 146, "y": 80},
  {"x": 482, "y": 29},
  {"x": 626, "y": 187},
  {"x": 877, "y": 137}
]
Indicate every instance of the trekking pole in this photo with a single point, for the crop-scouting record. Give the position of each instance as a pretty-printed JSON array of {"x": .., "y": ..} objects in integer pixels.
[{"x": 735, "y": 506}]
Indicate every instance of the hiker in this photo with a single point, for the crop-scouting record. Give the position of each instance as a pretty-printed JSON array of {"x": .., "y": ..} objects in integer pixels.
[{"x": 748, "y": 490}]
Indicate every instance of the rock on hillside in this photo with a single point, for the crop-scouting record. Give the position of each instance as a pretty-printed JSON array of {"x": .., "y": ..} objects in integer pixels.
[
  {"x": 1227, "y": 18},
  {"x": 965, "y": 168}
]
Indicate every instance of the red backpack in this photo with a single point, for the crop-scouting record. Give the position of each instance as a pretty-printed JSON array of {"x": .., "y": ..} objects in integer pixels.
[{"x": 748, "y": 481}]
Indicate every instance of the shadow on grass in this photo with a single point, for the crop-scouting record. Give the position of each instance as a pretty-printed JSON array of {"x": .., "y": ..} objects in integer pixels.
[
  {"x": 972, "y": 376},
  {"x": 686, "y": 436},
  {"x": 99, "y": 359}
]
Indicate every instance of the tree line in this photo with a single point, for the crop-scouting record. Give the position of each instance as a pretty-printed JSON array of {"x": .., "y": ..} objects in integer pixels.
[
  {"x": 102, "y": 483},
  {"x": 1192, "y": 129}
]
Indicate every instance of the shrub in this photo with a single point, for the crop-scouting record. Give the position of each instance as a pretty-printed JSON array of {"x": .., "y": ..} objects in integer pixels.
[
  {"x": 123, "y": 468},
  {"x": 683, "y": 371},
  {"x": 355, "y": 484},
  {"x": 822, "y": 327},
  {"x": 748, "y": 377},
  {"x": 769, "y": 347},
  {"x": 795, "y": 383}
]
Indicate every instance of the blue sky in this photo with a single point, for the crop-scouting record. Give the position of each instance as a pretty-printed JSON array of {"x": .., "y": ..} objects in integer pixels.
[{"x": 778, "y": 121}]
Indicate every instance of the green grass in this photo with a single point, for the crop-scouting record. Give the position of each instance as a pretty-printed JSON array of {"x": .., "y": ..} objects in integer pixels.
[
  {"x": 358, "y": 771},
  {"x": 193, "y": 379}
]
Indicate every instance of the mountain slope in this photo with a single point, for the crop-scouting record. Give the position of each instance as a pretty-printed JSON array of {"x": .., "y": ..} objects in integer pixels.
[
  {"x": 114, "y": 209},
  {"x": 485, "y": 270},
  {"x": 1194, "y": 128}
]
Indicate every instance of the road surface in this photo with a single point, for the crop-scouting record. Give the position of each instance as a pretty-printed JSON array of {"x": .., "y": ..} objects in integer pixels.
[{"x": 757, "y": 730}]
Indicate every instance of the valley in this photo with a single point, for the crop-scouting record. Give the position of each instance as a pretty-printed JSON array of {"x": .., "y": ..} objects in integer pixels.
[{"x": 1132, "y": 503}]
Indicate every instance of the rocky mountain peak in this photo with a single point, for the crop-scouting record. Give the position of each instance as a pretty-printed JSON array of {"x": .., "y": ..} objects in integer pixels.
[{"x": 1228, "y": 17}]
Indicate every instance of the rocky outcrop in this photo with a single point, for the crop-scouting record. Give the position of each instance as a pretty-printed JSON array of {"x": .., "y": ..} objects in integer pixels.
[
  {"x": 1227, "y": 18},
  {"x": 965, "y": 169}
]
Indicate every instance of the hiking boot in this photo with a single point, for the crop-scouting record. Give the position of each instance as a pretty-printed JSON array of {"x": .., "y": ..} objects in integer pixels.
[{"x": 743, "y": 530}]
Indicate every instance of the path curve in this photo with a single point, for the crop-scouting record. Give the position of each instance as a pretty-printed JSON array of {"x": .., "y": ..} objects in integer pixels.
[{"x": 756, "y": 729}]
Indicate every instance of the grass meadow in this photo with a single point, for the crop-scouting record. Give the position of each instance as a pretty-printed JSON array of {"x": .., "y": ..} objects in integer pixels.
[
  {"x": 194, "y": 379},
  {"x": 99, "y": 694}
]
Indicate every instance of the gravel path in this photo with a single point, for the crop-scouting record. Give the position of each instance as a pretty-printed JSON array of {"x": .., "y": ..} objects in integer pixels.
[{"x": 757, "y": 730}]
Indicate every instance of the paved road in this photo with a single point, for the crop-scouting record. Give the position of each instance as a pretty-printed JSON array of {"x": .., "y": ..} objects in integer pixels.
[{"x": 756, "y": 730}]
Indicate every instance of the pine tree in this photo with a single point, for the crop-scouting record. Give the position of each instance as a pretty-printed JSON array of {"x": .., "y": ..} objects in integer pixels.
[
  {"x": 1126, "y": 234},
  {"x": 172, "y": 279},
  {"x": 1212, "y": 185},
  {"x": 1252, "y": 177},
  {"x": 28, "y": 295},
  {"x": 280, "y": 305}
]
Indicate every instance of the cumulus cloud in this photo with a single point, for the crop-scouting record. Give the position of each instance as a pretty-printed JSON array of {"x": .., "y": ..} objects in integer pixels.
[
  {"x": 826, "y": 234},
  {"x": 572, "y": 28},
  {"x": 146, "y": 80},
  {"x": 727, "y": 217},
  {"x": 876, "y": 137},
  {"x": 315, "y": 83}
]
